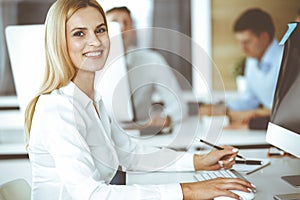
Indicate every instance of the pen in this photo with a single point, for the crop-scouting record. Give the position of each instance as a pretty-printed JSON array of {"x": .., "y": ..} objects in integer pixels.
[
  {"x": 249, "y": 162},
  {"x": 217, "y": 147}
]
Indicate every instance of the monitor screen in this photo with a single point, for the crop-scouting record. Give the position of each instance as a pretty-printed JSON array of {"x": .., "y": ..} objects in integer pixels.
[
  {"x": 112, "y": 81},
  {"x": 284, "y": 126},
  {"x": 16, "y": 13}
]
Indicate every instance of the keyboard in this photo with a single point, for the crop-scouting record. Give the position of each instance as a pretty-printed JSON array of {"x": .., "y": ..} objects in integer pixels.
[{"x": 229, "y": 173}]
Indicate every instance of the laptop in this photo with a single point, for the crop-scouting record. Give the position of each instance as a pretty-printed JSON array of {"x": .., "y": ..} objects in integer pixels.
[{"x": 27, "y": 56}]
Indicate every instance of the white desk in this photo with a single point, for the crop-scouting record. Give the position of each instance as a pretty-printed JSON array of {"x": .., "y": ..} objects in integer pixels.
[
  {"x": 11, "y": 134},
  {"x": 12, "y": 143},
  {"x": 183, "y": 136},
  {"x": 267, "y": 180}
]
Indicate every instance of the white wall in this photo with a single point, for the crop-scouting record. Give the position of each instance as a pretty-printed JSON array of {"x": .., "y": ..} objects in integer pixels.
[{"x": 201, "y": 50}]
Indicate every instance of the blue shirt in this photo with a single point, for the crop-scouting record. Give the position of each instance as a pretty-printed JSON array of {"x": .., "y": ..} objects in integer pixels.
[{"x": 261, "y": 79}]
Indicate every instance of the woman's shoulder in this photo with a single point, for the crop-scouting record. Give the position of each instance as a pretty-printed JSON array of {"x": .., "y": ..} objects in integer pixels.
[
  {"x": 53, "y": 101},
  {"x": 53, "y": 113}
]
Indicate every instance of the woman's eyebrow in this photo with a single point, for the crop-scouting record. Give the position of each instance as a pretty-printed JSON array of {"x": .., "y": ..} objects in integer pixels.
[
  {"x": 78, "y": 28},
  {"x": 84, "y": 28},
  {"x": 102, "y": 24}
]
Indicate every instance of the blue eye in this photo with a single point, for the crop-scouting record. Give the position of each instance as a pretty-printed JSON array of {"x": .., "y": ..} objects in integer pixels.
[
  {"x": 101, "y": 30},
  {"x": 78, "y": 34}
]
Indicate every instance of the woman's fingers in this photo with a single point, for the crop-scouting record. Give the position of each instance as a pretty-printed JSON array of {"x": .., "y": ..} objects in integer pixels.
[
  {"x": 237, "y": 184},
  {"x": 214, "y": 188}
]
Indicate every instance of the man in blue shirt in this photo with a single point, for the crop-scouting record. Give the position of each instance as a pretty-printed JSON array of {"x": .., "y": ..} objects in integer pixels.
[{"x": 254, "y": 30}]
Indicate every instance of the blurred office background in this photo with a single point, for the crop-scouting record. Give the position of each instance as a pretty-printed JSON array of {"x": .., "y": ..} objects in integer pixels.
[
  {"x": 225, "y": 50},
  {"x": 207, "y": 22}
]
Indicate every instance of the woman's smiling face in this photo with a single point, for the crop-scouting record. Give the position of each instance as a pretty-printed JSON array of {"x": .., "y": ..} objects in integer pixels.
[{"x": 87, "y": 39}]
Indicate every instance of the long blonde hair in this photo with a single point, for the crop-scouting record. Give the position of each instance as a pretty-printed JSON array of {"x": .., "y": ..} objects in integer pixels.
[{"x": 59, "y": 68}]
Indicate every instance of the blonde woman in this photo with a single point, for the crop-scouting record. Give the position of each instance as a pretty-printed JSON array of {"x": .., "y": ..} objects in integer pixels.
[{"x": 74, "y": 148}]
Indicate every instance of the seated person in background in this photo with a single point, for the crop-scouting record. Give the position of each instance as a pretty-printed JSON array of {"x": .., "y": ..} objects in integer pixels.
[
  {"x": 254, "y": 30},
  {"x": 74, "y": 148},
  {"x": 149, "y": 74}
]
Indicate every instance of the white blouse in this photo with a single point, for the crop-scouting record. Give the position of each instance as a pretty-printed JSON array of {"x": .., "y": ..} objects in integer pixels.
[{"x": 75, "y": 151}]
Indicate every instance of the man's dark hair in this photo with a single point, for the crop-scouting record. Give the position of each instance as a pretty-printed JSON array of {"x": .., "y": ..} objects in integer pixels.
[
  {"x": 122, "y": 8},
  {"x": 257, "y": 21}
]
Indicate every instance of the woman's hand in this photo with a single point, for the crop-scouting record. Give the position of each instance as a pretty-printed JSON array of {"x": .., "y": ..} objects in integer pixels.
[
  {"x": 216, "y": 159},
  {"x": 213, "y": 188}
]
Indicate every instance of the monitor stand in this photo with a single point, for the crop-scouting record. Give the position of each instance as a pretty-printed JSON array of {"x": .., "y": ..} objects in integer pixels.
[
  {"x": 292, "y": 196},
  {"x": 294, "y": 180}
]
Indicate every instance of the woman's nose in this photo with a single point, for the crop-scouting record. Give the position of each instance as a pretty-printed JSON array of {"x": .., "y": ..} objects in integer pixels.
[{"x": 94, "y": 40}]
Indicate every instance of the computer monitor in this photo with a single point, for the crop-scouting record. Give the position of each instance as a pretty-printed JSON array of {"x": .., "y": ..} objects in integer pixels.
[
  {"x": 26, "y": 50},
  {"x": 284, "y": 126},
  {"x": 112, "y": 82}
]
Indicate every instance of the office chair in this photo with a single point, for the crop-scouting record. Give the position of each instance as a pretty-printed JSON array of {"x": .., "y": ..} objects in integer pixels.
[{"x": 17, "y": 189}]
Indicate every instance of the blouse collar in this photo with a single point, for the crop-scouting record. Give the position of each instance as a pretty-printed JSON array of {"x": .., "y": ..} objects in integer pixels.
[{"x": 75, "y": 93}]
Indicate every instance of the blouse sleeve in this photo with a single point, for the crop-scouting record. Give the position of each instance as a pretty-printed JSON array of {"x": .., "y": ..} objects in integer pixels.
[
  {"x": 136, "y": 157},
  {"x": 64, "y": 138}
]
